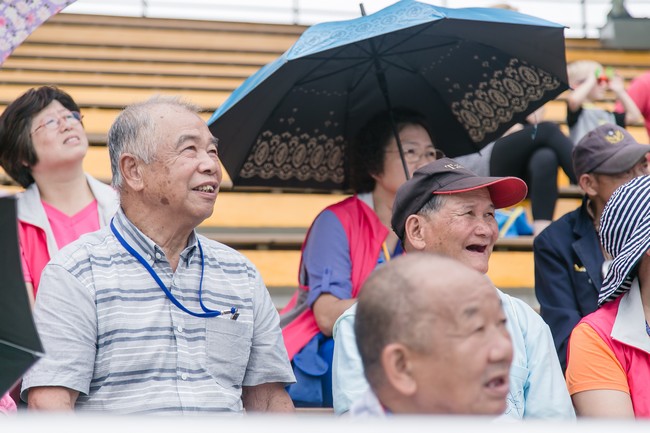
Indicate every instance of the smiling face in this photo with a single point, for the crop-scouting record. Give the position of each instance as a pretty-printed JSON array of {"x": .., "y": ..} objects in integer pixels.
[
  {"x": 464, "y": 228},
  {"x": 182, "y": 183},
  {"x": 467, "y": 369},
  {"x": 60, "y": 148}
]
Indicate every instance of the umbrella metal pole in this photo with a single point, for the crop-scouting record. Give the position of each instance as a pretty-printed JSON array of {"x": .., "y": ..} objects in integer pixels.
[
  {"x": 383, "y": 85},
  {"x": 363, "y": 9}
]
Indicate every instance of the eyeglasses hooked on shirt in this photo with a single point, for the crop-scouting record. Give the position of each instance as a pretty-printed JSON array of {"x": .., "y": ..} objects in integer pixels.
[{"x": 52, "y": 123}]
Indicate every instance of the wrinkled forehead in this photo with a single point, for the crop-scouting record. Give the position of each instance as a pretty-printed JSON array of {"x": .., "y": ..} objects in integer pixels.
[
  {"x": 172, "y": 122},
  {"x": 165, "y": 111}
]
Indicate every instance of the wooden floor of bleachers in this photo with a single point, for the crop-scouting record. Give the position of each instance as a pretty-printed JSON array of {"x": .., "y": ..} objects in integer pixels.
[{"x": 108, "y": 62}]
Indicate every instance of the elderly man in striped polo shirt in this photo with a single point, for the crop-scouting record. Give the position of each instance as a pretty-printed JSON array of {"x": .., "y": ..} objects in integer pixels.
[{"x": 147, "y": 316}]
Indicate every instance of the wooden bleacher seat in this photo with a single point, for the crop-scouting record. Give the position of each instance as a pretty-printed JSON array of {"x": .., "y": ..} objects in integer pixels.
[
  {"x": 135, "y": 61},
  {"x": 160, "y": 57},
  {"x": 75, "y": 29},
  {"x": 109, "y": 62}
]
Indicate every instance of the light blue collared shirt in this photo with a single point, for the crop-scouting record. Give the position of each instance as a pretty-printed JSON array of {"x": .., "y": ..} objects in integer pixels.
[{"x": 537, "y": 386}]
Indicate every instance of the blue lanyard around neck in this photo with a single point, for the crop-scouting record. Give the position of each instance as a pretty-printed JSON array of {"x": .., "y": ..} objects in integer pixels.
[{"x": 206, "y": 311}]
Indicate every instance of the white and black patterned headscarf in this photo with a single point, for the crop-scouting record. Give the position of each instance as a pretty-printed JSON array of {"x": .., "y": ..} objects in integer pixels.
[{"x": 625, "y": 235}]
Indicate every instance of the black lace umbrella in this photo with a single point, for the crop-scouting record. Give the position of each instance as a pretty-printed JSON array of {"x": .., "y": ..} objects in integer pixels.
[
  {"x": 472, "y": 72},
  {"x": 20, "y": 345}
]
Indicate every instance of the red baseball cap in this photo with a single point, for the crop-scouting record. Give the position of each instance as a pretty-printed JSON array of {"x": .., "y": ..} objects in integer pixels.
[{"x": 446, "y": 176}]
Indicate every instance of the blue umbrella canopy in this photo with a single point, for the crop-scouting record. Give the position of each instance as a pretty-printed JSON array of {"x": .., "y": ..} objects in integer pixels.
[{"x": 472, "y": 72}]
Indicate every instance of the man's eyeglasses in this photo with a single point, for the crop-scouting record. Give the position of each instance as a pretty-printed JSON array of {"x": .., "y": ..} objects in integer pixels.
[{"x": 52, "y": 123}]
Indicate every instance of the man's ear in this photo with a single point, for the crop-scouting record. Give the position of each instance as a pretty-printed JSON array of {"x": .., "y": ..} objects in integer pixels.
[
  {"x": 398, "y": 368},
  {"x": 414, "y": 232},
  {"x": 131, "y": 170},
  {"x": 588, "y": 183}
]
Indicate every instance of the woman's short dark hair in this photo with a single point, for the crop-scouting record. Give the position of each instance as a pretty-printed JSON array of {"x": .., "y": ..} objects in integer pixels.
[
  {"x": 17, "y": 154},
  {"x": 368, "y": 150}
]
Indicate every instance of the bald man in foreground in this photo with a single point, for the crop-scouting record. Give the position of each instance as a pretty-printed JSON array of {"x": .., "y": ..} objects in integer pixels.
[{"x": 440, "y": 347}]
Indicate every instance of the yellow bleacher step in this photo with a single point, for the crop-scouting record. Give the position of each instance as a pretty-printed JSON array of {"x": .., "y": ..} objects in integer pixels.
[
  {"x": 234, "y": 209},
  {"x": 117, "y": 97},
  {"x": 636, "y": 58},
  {"x": 66, "y": 78},
  {"x": 130, "y": 66},
  {"x": 508, "y": 269},
  {"x": 63, "y": 52},
  {"x": 97, "y": 122},
  {"x": 164, "y": 38}
]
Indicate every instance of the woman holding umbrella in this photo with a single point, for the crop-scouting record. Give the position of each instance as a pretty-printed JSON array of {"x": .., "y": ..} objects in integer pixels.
[{"x": 345, "y": 243}]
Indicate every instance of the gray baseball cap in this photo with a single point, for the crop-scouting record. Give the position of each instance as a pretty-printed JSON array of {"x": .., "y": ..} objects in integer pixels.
[{"x": 608, "y": 149}]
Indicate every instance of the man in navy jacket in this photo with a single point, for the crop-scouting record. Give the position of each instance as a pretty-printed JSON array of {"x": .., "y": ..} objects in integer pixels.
[{"x": 568, "y": 255}]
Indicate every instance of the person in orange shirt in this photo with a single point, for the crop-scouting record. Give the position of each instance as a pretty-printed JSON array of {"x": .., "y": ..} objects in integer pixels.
[{"x": 608, "y": 367}]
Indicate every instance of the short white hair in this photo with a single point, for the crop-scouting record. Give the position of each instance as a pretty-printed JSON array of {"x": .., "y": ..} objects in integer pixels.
[{"x": 134, "y": 132}]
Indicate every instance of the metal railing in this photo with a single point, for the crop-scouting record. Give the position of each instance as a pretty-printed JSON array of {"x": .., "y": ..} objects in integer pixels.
[{"x": 583, "y": 18}]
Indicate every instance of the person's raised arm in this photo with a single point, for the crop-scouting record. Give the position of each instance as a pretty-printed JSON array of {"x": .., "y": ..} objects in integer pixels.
[
  {"x": 579, "y": 95},
  {"x": 51, "y": 398},
  {"x": 632, "y": 112},
  {"x": 266, "y": 397}
]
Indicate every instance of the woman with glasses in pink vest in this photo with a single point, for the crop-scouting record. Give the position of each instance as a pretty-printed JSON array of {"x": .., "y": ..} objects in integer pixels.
[
  {"x": 346, "y": 242},
  {"x": 42, "y": 147}
]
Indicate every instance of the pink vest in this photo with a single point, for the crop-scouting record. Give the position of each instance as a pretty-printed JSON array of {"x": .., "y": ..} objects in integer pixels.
[
  {"x": 33, "y": 240},
  {"x": 365, "y": 235},
  {"x": 635, "y": 362}
]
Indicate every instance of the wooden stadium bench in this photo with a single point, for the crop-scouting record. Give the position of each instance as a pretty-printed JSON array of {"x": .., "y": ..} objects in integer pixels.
[
  {"x": 130, "y": 67},
  {"x": 154, "y": 81},
  {"x": 118, "y": 97},
  {"x": 114, "y": 34},
  {"x": 135, "y": 60},
  {"x": 509, "y": 270}
]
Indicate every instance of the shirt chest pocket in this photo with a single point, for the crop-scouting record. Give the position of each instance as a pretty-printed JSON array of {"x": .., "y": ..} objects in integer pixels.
[{"x": 227, "y": 349}]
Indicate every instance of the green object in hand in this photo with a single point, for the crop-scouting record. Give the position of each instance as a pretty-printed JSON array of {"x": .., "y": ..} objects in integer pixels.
[{"x": 603, "y": 76}]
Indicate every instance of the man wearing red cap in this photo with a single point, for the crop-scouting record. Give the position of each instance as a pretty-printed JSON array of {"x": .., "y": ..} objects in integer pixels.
[
  {"x": 447, "y": 209},
  {"x": 568, "y": 254}
]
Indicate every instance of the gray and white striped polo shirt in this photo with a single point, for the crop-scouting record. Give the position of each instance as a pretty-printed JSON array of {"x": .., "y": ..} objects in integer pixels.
[{"x": 110, "y": 332}]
